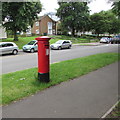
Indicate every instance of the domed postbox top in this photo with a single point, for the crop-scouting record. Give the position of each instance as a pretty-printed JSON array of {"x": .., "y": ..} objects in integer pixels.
[{"x": 43, "y": 38}]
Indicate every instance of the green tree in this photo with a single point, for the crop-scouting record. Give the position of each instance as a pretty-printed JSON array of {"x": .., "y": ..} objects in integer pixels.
[
  {"x": 105, "y": 22},
  {"x": 116, "y": 8},
  {"x": 113, "y": 22},
  {"x": 115, "y": 26},
  {"x": 19, "y": 15},
  {"x": 97, "y": 23},
  {"x": 74, "y": 16},
  {"x": 61, "y": 29}
]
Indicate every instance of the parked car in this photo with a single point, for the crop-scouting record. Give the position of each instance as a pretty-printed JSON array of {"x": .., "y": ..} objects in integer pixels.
[
  {"x": 115, "y": 39},
  {"x": 8, "y": 47},
  {"x": 31, "y": 46},
  {"x": 61, "y": 44},
  {"x": 105, "y": 40}
]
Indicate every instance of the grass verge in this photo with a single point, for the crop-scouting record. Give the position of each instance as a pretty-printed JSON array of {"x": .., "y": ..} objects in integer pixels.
[
  {"x": 24, "y": 40},
  {"x": 24, "y": 83}
]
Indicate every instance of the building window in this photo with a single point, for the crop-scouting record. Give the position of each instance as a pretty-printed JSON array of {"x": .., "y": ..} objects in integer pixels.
[
  {"x": 37, "y": 31},
  {"x": 49, "y": 25},
  {"x": 50, "y": 31},
  {"x": 54, "y": 31},
  {"x": 49, "y": 28},
  {"x": 37, "y": 23}
]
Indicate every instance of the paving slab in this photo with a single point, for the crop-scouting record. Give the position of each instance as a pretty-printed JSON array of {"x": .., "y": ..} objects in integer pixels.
[{"x": 89, "y": 96}]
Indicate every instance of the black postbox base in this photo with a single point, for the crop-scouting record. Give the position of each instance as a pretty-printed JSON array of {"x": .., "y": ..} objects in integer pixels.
[{"x": 43, "y": 77}]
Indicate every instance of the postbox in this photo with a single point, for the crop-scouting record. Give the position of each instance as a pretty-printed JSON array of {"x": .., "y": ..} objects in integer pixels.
[{"x": 43, "y": 58}]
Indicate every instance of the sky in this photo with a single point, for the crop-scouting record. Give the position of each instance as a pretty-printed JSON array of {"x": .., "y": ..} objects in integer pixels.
[
  {"x": 99, "y": 5},
  {"x": 95, "y": 6}
]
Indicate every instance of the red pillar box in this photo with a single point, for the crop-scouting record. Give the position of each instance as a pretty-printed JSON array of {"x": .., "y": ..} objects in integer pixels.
[{"x": 43, "y": 58}]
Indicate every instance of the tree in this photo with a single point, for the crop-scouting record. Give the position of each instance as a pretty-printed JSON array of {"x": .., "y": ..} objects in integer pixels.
[
  {"x": 113, "y": 21},
  {"x": 116, "y": 8},
  {"x": 98, "y": 23},
  {"x": 74, "y": 16},
  {"x": 19, "y": 15},
  {"x": 115, "y": 26},
  {"x": 105, "y": 22}
]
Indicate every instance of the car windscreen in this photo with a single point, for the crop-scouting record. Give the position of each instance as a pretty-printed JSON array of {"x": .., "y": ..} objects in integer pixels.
[
  {"x": 31, "y": 42},
  {"x": 58, "y": 42}
]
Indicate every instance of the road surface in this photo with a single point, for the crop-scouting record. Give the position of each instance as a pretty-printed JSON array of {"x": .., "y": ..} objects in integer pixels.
[{"x": 23, "y": 61}]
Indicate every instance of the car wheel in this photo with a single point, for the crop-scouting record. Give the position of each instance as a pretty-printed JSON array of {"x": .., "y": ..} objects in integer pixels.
[
  {"x": 59, "y": 48},
  {"x": 32, "y": 50},
  {"x": 69, "y": 46},
  {"x": 23, "y": 50},
  {"x": 15, "y": 52}
]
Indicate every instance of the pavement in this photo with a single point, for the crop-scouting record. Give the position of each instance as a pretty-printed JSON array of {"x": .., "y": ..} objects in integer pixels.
[{"x": 89, "y": 96}]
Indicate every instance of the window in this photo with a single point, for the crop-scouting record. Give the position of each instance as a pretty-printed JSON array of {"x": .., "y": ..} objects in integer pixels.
[
  {"x": 64, "y": 42},
  {"x": 4, "y": 45},
  {"x": 37, "y": 31},
  {"x": 9, "y": 44},
  {"x": 49, "y": 25},
  {"x": 36, "y": 43},
  {"x": 31, "y": 42},
  {"x": 37, "y": 23},
  {"x": 53, "y": 31},
  {"x": 67, "y": 42},
  {"x": 50, "y": 31}
]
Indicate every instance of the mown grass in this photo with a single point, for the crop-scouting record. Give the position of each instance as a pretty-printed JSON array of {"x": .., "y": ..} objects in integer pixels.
[
  {"x": 24, "y": 40},
  {"x": 24, "y": 83}
]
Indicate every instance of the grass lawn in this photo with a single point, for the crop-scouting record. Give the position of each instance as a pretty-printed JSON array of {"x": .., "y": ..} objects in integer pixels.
[
  {"x": 24, "y": 83},
  {"x": 24, "y": 40}
]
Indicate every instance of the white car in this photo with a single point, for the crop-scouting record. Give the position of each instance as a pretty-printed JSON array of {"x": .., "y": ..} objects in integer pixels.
[
  {"x": 31, "y": 46},
  {"x": 60, "y": 44},
  {"x": 8, "y": 47},
  {"x": 104, "y": 40}
]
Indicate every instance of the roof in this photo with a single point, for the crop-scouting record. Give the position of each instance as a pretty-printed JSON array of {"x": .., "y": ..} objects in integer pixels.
[{"x": 53, "y": 18}]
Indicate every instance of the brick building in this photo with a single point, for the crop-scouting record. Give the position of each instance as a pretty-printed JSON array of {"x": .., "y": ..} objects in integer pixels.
[{"x": 45, "y": 25}]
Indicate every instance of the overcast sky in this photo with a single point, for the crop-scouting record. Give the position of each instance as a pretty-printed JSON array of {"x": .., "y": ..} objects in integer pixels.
[
  {"x": 99, "y": 5},
  {"x": 95, "y": 6}
]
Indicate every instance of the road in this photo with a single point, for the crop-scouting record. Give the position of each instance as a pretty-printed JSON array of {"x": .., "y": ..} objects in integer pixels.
[{"x": 22, "y": 61}]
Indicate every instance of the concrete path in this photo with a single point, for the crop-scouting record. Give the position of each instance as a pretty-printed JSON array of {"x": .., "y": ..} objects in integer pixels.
[{"x": 89, "y": 96}]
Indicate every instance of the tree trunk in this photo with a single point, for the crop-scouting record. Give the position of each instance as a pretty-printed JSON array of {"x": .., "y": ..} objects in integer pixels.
[
  {"x": 15, "y": 36},
  {"x": 73, "y": 32},
  {"x": 98, "y": 35}
]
